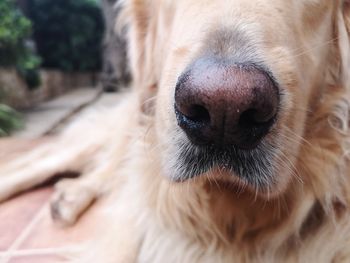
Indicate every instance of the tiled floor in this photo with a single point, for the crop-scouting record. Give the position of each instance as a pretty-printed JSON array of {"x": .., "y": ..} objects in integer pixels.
[{"x": 27, "y": 232}]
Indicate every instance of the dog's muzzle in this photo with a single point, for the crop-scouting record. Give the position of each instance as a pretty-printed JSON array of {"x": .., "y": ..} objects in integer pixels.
[{"x": 225, "y": 111}]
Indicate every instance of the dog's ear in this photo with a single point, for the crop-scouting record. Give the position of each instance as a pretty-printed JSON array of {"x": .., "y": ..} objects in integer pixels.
[
  {"x": 340, "y": 64},
  {"x": 141, "y": 21}
]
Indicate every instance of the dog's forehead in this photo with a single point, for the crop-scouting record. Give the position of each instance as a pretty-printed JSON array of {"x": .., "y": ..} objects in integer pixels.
[
  {"x": 256, "y": 5},
  {"x": 226, "y": 11}
]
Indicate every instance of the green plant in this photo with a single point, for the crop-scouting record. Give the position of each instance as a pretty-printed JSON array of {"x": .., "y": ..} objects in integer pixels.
[
  {"x": 15, "y": 30},
  {"x": 28, "y": 69},
  {"x": 10, "y": 120},
  {"x": 68, "y": 33}
]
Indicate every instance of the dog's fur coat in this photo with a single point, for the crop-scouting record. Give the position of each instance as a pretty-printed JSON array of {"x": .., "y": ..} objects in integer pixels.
[{"x": 304, "y": 214}]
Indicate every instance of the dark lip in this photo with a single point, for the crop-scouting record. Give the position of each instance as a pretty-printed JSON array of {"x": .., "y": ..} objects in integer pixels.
[{"x": 252, "y": 166}]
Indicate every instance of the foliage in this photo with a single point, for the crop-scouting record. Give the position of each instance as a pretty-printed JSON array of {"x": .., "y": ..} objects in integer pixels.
[
  {"x": 68, "y": 33},
  {"x": 10, "y": 120},
  {"x": 28, "y": 69},
  {"x": 15, "y": 30}
]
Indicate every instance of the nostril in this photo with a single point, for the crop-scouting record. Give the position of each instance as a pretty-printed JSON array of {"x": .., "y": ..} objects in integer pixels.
[
  {"x": 194, "y": 119},
  {"x": 198, "y": 113},
  {"x": 252, "y": 119}
]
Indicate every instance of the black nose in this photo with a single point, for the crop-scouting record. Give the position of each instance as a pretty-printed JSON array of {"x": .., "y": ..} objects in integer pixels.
[{"x": 221, "y": 103}]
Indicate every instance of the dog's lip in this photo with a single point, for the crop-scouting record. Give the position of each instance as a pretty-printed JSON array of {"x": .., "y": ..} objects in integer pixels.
[
  {"x": 218, "y": 172},
  {"x": 254, "y": 167},
  {"x": 215, "y": 172}
]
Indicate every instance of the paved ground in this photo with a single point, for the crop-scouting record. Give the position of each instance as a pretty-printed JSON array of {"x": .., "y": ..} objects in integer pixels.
[
  {"x": 44, "y": 117},
  {"x": 27, "y": 233}
]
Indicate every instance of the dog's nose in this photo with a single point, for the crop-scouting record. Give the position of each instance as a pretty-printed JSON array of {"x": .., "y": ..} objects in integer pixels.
[{"x": 222, "y": 104}]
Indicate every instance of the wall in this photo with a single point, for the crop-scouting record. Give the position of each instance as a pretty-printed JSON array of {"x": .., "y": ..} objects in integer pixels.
[{"x": 14, "y": 92}]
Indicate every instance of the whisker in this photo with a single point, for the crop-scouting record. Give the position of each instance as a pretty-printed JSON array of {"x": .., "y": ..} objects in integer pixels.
[
  {"x": 287, "y": 129},
  {"x": 291, "y": 167},
  {"x": 314, "y": 47}
]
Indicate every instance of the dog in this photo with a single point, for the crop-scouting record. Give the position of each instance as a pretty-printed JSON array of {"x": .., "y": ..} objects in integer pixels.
[{"x": 233, "y": 145}]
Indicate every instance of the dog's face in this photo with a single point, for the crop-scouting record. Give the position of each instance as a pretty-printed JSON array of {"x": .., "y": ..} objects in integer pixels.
[{"x": 237, "y": 81}]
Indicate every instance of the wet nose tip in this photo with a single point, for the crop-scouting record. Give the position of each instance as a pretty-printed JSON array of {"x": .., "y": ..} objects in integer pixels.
[{"x": 226, "y": 104}]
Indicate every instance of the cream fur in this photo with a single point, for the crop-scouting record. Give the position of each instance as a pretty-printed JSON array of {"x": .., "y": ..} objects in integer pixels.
[{"x": 304, "y": 217}]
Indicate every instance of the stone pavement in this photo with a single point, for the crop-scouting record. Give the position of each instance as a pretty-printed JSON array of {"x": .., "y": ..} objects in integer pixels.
[
  {"x": 43, "y": 119},
  {"x": 50, "y": 117}
]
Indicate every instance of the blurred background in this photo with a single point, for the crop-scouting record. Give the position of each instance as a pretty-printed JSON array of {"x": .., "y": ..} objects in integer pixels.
[{"x": 57, "y": 57}]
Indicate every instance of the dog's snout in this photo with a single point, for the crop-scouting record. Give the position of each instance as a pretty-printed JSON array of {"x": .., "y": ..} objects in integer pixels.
[{"x": 223, "y": 103}]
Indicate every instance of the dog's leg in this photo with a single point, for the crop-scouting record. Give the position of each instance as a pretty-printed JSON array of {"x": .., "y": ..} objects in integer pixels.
[
  {"x": 97, "y": 155},
  {"x": 73, "y": 196},
  {"x": 40, "y": 166},
  {"x": 72, "y": 151}
]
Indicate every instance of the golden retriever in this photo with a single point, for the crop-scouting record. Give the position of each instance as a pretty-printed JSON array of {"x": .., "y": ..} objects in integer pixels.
[{"x": 233, "y": 145}]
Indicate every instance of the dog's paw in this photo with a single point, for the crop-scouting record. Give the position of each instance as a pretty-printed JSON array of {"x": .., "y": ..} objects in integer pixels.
[{"x": 70, "y": 200}]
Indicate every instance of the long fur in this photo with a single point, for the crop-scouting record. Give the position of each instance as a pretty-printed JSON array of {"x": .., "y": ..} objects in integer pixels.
[{"x": 150, "y": 219}]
